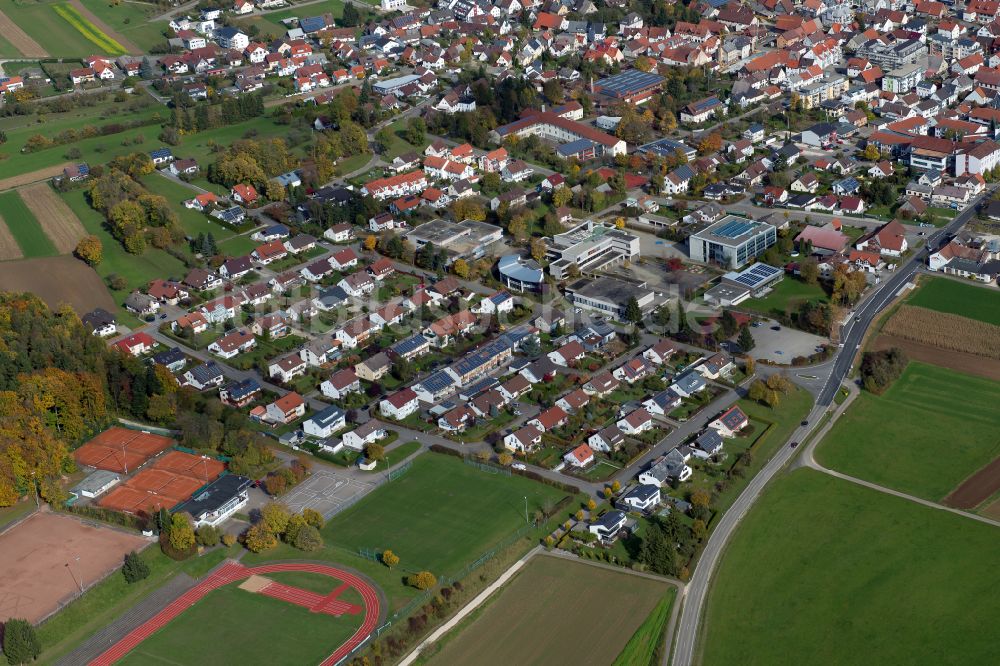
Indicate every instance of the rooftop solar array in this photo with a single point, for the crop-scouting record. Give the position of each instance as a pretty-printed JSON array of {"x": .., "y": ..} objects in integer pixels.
[
  {"x": 629, "y": 82},
  {"x": 664, "y": 147},
  {"x": 735, "y": 229},
  {"x": 756, "y": 275}
]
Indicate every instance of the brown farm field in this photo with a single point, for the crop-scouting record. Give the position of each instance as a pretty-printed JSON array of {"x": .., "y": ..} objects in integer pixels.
[
  {"x": 977, "y": 488},
  {"x": 47, "y": 556},
  {"x": 555, "y": 611},
  {"x": 57, "y": 280},
  {"x": 9, "y": 248},
  {"x": 19, "y": 39},
  {"x": 60, "y": 223},
  {"x": 971, "y": 364},
  {"x": 945, "y": 331}
]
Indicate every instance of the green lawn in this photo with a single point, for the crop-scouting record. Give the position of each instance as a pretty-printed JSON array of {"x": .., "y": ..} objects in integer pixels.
[
  {"x": 942, "y": 216},
  {"x": 440, "y": 515},
  {"x": 230, "y": 625},
  {"x": 138, "y": 270},
  {"x": 560, "y": 612},
  {"x": 192, "y": 221},
  {"x": 24, "y": 227},
  {"x": 786, "y": 296},
  {"x": 928, "y": 432},
  {"x": 959, "y": 298},
  {"x": 823, "y": 571}
]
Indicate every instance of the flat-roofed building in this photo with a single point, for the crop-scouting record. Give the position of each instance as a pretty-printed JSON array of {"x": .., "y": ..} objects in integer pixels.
[
  {"x": 466, "y": 239},
  {"x": 592, "y": 247},
  {"x": 732, "y": 241},
  {"x": 609, "y": 296}
]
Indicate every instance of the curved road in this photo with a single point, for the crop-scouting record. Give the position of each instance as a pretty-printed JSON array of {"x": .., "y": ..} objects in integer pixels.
[{"x": 853, "y": 333}]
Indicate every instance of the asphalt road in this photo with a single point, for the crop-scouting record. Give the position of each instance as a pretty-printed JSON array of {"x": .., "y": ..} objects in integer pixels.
[{"x": 697, "y": 589}]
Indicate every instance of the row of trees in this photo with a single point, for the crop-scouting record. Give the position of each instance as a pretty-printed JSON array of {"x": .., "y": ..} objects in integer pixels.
[{"x": 190, "y": 116}]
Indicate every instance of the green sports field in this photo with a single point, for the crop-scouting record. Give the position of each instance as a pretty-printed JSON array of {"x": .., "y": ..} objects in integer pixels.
[
  {"x": 560, "y": 612},
  {"x": 24, "y": 227},
  {"x": 440, "y": 515},
  {"x": 823, "y": 571},
  {"x": 234, "y": 626},
  {"x": 928, "y": 432},
  {"x": 959, "y": 298}
]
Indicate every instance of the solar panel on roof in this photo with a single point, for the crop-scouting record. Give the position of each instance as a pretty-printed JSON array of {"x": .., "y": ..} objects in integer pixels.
[{"x": 734, "y": 229}]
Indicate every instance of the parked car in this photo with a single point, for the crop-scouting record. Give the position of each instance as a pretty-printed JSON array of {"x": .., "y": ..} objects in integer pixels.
[{"x": 519, "y": 466}]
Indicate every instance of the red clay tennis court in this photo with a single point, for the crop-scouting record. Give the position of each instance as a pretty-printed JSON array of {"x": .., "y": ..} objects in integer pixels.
[
  {"x": 199, "y": 467},
  {"x": 171, "y": 480},
  {"x": 120, "y": 449}
]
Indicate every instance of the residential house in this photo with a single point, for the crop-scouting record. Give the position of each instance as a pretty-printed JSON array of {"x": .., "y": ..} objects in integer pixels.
[
  {"x": 325, "y": 423},
  {"x": 730, "y": 422},
  {"x": 364, "y": 434},
  {"x": 400, "y": 404},
  {"x": 581, "y": 456},
  {"x": 286, "y": 409}
]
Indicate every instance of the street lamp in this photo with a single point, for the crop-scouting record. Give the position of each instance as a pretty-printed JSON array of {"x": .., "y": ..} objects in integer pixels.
[{"x": 78, "y": 583}]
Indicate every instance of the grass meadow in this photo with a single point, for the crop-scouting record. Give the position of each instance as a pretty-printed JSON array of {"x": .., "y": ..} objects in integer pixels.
[
  {"x": 823, "y": 571},
  {"x": 928, "y": 432}
]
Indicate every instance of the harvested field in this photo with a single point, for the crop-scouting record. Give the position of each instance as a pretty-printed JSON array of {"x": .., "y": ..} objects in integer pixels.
[
  {"x": 58, "y": 280},
  {"x": 979, "y": 366},
  {"x": 536, "y": 618},
  {"x": 977, "y": 488},
  {"x": 20, "y": 39},
  {"x": 57, "y": 220},
  {"x": 103, "y": 27},
  {"x": 32, "y": 176},
  {"x": 9, "y": 248},
  {"x": 945, "y": 331},
  {"x": 44, "y": 556}
]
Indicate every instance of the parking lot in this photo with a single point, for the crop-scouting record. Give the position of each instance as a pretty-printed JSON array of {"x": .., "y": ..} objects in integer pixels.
[
  {"x": 782, "y": 345},
  {"x": 326, "y": 491}
]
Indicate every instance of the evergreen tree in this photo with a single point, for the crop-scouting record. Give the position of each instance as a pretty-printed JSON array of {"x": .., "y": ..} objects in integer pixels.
[
  {"x": 20, "y": 643},
  {"x": 745, "y": 340},
  {"x": 632, "y": 311},
  {"x": 134, "y": 568}
]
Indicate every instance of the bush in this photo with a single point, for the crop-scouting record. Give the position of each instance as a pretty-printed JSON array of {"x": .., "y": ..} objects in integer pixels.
[
  {"x": 228, "y": 540},
  {"x": 308, "y": 539},
  {"x": 134, "y": 568},
  {"x": 423, "y": 580},
  {"x": 881, "y": 368},
  {"x": 207, "y": 536},
  {"x": 20, "y": 643}
]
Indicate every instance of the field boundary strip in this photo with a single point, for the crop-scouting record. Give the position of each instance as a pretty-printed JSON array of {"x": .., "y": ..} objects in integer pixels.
[
  {"x": 108, "y": 31},
  {"x": 90, "y": 31},
  {"x": 57, "y": 219},
  {"x": 28, "y": 47},
  {"x": 9, "y": 249}
]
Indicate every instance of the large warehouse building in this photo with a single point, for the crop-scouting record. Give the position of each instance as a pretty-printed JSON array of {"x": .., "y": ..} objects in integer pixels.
[{"x": 633, "y": 86}]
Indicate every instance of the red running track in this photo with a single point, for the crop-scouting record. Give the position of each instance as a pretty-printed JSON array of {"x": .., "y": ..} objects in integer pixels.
[{"x": 231, "y": 572}]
